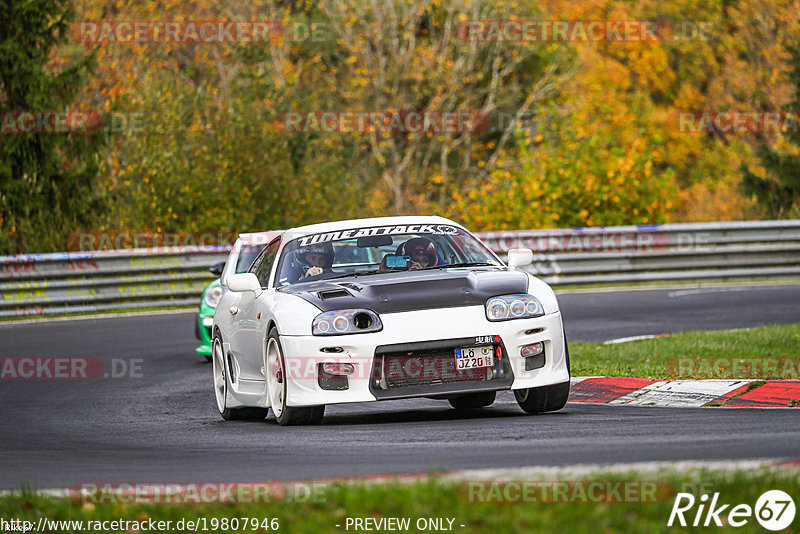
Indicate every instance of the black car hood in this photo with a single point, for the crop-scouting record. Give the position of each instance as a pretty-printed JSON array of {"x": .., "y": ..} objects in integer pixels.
[{"x": 412, "y": 290}]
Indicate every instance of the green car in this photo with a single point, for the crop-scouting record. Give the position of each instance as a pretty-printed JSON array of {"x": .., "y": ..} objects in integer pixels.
[{"x": 211, "y": 295}]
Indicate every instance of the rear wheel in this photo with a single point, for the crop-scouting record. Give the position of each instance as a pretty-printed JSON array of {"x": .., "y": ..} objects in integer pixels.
[
  {"x": 473, "y": 400},
  {"x": 275, "y": 367},
  {"x": 221, "y": 388}
]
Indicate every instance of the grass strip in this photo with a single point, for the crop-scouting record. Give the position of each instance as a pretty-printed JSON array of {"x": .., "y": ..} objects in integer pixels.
[
  {"x": 506, "y": 508},
  {"x": 764, "y": 353}
]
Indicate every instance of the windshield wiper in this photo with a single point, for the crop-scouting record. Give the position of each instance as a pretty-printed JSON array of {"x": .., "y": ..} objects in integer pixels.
[
  {"x": 346, "y": 275},
  {"x": 464, "y": 264},
  {"x": 357, "y": 274}
]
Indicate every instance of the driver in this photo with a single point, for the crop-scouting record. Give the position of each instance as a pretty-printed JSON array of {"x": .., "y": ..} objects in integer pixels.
[
  {"x": 318, "y": 258},
  {"x": 422, "y": 253}
]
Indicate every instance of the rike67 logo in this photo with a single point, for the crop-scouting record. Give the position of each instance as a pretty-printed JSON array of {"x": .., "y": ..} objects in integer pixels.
[{"x": 774, "y": 510}]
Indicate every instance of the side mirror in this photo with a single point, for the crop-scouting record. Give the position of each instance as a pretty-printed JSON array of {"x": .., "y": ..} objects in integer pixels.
[
  {"x": 217, "y": 268},
  {"x": 244, "y": 282},
  {"x": 519, "y": 257}
]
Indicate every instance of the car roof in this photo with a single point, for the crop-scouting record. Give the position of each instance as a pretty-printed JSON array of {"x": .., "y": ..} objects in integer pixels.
[
  {"x": 348, "y": 224},
  {"x": 258, "y": 238}
]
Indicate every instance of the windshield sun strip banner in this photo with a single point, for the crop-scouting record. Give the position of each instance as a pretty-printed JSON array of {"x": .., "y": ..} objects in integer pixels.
[{"x": 435, "y": 229}]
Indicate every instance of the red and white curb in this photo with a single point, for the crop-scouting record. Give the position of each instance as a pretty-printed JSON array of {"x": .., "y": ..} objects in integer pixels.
[{"x": 685, "y": 393}]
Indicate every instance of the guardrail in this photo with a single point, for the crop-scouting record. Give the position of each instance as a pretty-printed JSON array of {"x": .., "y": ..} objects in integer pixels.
[
  {"x": 659, "y": 253},
  {"x": 74, "y": 282}
]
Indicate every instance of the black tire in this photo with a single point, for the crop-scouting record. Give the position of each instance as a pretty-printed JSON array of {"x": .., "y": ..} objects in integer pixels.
[
  {"x": 246, "y": 413},
  {"x": 292, "y": 415},
  {"x": 208, "y": 357},
  {"x": 473, "y": 400},
  {"x": 546, "y": 398},
  {"x": 306, "y": 415},
  {"x": 543, "y": 399}
]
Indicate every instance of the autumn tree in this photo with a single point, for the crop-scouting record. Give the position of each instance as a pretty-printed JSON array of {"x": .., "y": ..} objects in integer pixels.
[
  {"x": 46, "y": 179},
  {"x": 416, "y": 56},
  {"x": 579, "y": 133},
  {"x": 778, "y": 184}
]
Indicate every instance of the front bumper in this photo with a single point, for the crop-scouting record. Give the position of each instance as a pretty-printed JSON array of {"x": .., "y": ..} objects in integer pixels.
[
  {"x": 202, "y": 331},
  {"x": 425, "y": 333},
  {"x": 429, "y": 367}
]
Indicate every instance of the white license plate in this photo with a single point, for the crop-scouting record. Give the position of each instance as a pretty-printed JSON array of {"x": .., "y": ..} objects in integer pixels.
[{"x": 472, "y": 357}]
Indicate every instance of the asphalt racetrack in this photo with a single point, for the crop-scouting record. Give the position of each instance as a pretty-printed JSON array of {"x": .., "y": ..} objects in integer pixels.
[{"x": 163, "y": 426}]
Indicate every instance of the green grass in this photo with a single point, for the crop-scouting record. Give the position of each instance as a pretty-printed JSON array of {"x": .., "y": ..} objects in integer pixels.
[
  {"x": 771, "y": 352},
  {"x": 438, "y": 499}
]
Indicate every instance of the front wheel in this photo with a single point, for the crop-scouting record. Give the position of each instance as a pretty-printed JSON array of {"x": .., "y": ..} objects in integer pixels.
[
  {"x": 546, "y": 398},
  {"x": 221, "y": 388},
  {"x": 543, "y": 399},
  {"x": 276, "y": 388}
]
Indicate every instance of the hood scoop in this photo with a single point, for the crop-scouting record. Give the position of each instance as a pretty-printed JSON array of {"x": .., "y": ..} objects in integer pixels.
[{"x": 333, "y": 294}]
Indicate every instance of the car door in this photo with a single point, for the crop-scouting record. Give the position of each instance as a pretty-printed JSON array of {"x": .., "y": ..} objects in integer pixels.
[{"x": 248, "y": 335}]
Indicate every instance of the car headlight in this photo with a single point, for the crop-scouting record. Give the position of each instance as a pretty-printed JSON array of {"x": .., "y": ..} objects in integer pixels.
[
  {"x": 340, "y": 322},
  {"x": 508, "y": 307},
  {"x": 213, "y": 295}
]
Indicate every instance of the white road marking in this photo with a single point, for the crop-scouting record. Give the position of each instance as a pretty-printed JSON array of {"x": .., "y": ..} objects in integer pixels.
[
  {"x": 695, "y": 291},
  {"x": 633, "y": 338}
]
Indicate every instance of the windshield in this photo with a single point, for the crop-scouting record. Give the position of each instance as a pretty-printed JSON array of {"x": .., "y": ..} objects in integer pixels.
[{"x": 383, "y": 249}]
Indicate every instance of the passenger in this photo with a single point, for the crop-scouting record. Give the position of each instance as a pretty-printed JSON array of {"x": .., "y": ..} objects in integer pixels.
[
  {"x": 420, "y": 250},
  {"x": 422, "y": 253}
]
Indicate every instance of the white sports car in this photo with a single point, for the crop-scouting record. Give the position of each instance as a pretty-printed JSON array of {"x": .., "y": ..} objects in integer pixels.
[{"x": 385, "y": 308}]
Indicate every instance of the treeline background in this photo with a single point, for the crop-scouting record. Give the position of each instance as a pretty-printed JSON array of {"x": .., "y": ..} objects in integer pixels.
[{"x": 598, "y": 145}]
